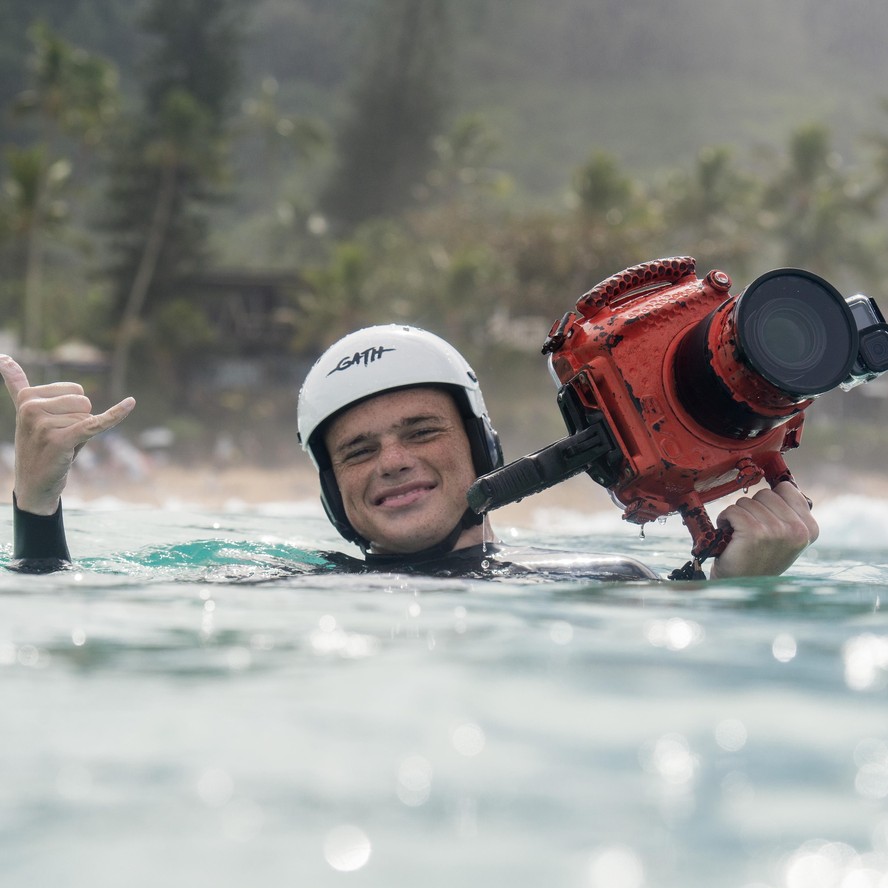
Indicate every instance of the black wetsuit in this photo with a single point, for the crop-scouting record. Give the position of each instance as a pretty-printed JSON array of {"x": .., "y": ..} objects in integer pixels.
[
  {"x": 40, "y": 547},
  {"x": 494, "y": 561},
  {"x": 39, "y": 541}
]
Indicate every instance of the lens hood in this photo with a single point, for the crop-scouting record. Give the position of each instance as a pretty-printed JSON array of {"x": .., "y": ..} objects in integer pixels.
[{"x": 796, "y": 331}]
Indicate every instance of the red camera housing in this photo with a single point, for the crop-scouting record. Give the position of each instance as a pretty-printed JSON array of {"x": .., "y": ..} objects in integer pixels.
[{"x": 618, "y": 354}]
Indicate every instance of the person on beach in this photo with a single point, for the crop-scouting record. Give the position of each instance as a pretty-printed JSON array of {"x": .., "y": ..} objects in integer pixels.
[{"x": 394, "y": 420}]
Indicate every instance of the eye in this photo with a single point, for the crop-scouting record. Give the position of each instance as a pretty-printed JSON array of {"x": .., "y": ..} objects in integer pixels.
[
  {"x": 425, "y": 432},
  {"x": 355, "y": 454}
]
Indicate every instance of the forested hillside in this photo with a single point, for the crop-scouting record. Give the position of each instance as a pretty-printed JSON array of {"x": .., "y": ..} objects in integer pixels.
[
  {"x": 218, "y": 188},
  {"x": 647, "y": 80}
]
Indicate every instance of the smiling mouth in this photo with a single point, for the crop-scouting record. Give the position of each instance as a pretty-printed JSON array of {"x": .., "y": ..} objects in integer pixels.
[{"x": 403, "y": 496}]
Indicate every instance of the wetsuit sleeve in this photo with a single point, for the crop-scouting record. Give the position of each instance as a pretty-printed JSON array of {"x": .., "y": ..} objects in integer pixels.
[{"x": 39, "y": 541}]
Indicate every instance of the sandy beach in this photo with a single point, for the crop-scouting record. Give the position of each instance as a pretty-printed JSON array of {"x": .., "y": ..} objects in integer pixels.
[
  {"x": 207, "y": 487},
  {"x": 229, "y": 488}
]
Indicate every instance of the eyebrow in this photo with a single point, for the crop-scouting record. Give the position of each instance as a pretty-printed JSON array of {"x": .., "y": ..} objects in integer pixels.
[{"x": 407, "y": 423}]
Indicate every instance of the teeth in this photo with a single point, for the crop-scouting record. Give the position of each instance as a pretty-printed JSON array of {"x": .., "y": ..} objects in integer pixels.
[{"x": 396, "y": 497}]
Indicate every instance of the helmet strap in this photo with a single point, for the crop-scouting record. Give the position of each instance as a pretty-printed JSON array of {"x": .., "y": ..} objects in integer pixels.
[
  {"x": 331, "y": 499},
  {"x": 444, "y": 547}
]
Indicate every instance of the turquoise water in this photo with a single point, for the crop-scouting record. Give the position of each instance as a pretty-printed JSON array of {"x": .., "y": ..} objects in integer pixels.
[{"x": 176, "y": 713}]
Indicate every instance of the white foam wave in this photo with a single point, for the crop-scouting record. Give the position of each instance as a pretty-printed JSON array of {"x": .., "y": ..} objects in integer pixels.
[{"x": 854, "y": 521}]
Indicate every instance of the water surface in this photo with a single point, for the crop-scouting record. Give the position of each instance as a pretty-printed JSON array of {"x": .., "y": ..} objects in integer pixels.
[{"x": 175, "y": 712}]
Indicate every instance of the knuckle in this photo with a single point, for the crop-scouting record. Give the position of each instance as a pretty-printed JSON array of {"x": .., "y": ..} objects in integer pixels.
[
  {"x": 29, "y": 410},
  {"x": 24, "y": 396}
]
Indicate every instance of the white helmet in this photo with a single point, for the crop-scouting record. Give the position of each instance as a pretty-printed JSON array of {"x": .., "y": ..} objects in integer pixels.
[{"x": 376, "y": 360}]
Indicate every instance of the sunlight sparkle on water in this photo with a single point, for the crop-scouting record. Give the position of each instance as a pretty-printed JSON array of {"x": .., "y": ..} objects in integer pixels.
[
  {"x": 730, "y": 734},
  {"x": 31, "y": 656},
  {"x": 675, "y": 634},
  {"x": 347, "y": 848},
  {"x": 330, "y": 638},
  {"x": 821, "y": 864},
  {"x": 784, "y": 648},
  {"x": 866, "y": 661},
  {"x": 561, "y": 632},
  {"x": 468, "y": 739},
  {"x": 670, "y": 757}
]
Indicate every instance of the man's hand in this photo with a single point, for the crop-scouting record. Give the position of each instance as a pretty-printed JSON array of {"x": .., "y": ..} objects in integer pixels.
[
  {"x": 52, "y": 423},
  {"x": 771, "y": 530}
]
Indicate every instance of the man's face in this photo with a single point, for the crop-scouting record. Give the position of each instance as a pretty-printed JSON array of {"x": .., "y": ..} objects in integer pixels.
[{"x": 403, "y": 464}]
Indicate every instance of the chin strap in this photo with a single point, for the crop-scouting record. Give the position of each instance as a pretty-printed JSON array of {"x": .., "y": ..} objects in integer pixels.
[{"x": 444, "y": 547}]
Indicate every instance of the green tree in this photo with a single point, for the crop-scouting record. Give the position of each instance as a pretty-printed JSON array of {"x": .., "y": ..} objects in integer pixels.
[
  {"x": 398, "y": 103},
  {"x": 819, "y": 210},
  {"x": 73, "y": 96},
  {"x": 280, "y": 153},
  {"x": 617, "y": 222},
  {"x": 711, "y": 213},
  {"x": 283, "y": 136},
  {"x": 171, "y": 162},
  {"x": 183, "y": 143},
  {"x": 72, "y": 91},
  {"x": 464, "y": 163},
  {"x": 34, "y": 208},
  {"x": 877, "y": 141}
]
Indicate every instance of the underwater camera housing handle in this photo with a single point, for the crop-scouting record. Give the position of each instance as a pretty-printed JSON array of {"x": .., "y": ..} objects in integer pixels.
[
  {"x": 592, "y": 450},
  {"x": 668, "y": 396}
]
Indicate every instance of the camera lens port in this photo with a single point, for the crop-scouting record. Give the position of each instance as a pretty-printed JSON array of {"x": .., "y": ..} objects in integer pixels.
[
  {"x": 796, "y": 331},
  {"x": 757, "y": 360}
]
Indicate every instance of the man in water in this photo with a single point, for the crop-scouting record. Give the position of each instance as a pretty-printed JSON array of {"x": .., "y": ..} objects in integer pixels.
[{"x": 394, "y": 420}]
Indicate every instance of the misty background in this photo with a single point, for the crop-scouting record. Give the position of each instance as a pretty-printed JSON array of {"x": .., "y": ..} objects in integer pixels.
[{"x": 200, "y": 195}]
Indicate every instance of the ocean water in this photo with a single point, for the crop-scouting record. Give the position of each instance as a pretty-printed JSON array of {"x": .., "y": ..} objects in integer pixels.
[{"x": 174, "y": 712}]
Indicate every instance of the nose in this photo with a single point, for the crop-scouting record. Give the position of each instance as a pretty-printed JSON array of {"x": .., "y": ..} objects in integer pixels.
[{"x": 394, "y": 458}]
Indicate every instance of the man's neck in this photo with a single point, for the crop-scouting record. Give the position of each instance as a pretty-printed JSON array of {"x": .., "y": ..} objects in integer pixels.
[{"x": 470, "y": 536}]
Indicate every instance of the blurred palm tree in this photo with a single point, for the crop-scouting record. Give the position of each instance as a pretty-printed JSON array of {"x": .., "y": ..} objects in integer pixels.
[
  {"x": 34, "y": 206},
  {"x": 172, "y": 160},
  {"x": 399, "y": 99},
  {"x": 73, "y": 95},
  {"x": 711, "y": 212},
  {"x": 819, "y": 211},
  {"x": 186, "y": 141},
  {"x": 73, "y": 92}
]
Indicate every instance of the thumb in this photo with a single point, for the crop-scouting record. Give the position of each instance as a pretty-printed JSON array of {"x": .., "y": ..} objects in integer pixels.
[{"x": 13, "y": 375}]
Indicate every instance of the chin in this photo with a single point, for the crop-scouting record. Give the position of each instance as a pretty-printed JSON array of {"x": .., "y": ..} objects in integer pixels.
[
  {"x": 398, "y": 535},
  {"x": 407, "y": 543}
]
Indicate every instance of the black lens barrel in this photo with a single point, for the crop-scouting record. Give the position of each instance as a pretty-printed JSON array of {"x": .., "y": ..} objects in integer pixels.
[
  {"x": 706, "y": 397},
  {"x": 788, "y": 328}
]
